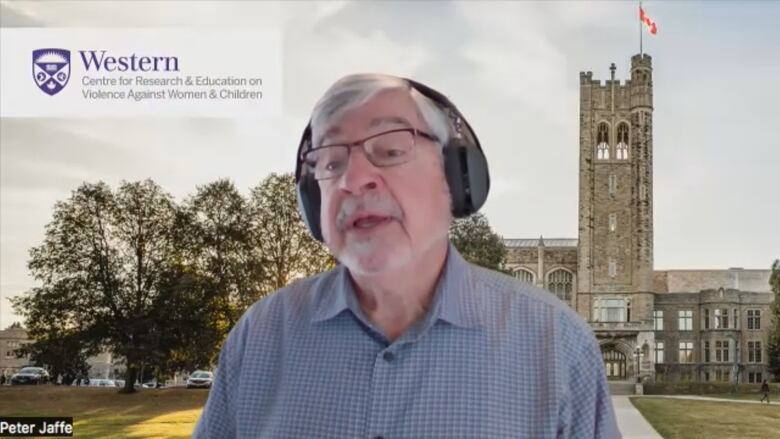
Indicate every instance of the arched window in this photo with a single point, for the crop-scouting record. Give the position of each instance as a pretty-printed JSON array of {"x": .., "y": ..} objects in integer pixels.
[
  {"x": 621, "y": 150},
  {"x": 614, "y": 363},
  {"x": 602, "y": 142},
  {"x": 524, "y": 275},
  {"x": 560, "y": 282}
]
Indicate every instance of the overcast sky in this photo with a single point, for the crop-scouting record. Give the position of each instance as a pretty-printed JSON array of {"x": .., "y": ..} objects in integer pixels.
[{"x": 513, "y": 70}]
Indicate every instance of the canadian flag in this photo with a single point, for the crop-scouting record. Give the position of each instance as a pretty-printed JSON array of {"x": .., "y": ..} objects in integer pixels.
[{"x": 647, "y": 21}]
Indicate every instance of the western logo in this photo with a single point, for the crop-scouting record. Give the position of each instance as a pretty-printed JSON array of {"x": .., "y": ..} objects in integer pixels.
[{"x": 51, "y": 69}]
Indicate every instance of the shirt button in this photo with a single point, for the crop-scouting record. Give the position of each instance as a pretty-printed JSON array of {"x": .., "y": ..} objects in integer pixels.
[{"x": 389, "y": 357}]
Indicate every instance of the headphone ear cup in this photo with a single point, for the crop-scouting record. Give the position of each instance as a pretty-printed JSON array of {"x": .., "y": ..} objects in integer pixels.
[
  {"x": 465, "y": 169},
  {"x": 453, "y": 172},
  {"x": 309, "y": 205},
  {"x": 478, "y": 178}
]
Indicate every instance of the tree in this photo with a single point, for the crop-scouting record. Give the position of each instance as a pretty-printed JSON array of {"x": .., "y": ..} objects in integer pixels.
[
  {"x": 773, "y": 350},
  {"x": 279, "y": 235},
  {"x": 109, "y": 267},
  {"x": 477, "y": 242},
  {"x": 214, "y": 234}
]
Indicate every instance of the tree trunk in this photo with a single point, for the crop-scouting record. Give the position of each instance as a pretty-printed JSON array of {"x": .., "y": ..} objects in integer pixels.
[{"x": 130, "y": 374}]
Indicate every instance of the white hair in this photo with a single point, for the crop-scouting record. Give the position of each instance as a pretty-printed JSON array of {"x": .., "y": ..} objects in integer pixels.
[{"x": 354, "y": 90}]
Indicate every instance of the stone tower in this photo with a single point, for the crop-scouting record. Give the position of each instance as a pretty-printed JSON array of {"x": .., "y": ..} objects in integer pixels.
[{"x": 615, "y": 251}]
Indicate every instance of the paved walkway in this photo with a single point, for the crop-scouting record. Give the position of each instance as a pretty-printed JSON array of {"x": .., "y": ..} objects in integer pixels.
[
  {"x": 630, "y": 422},
  {"x": 707, "y": 398}
]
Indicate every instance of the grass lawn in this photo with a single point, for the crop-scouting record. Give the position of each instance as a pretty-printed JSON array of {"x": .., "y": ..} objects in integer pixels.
[
  {"x": 676, "y": 418},
  {"x": 102, "y": 413}
]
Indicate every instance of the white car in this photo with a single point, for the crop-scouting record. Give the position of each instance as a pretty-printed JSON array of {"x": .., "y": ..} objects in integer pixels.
[
  {"x": 153, "y": 385},
  {"x": 99, "y": 382},
  {"x": 200, "y": 379},
  {"x": 94, "y": 382}
]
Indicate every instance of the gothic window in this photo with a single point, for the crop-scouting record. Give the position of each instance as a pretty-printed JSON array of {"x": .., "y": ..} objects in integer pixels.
[
  {"x": 612, "y": 184},
  {"x": 621, "y": 150},
  {"x": 560, "y": 283},
  {"x": 614, "y": 363},
  {"x": 524, "y": 275},
  {"x": 612, "y": 222},
  {"x": 642, "y": 191},
  {"x": 612, "y": 267},
  {"x": 602, "y": 142}
]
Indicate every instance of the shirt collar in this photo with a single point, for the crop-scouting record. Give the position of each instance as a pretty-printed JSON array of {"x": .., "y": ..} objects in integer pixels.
[{"x": 455, "y": 300}]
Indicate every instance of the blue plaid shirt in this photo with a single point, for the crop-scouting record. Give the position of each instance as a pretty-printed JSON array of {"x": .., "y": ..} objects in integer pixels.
[{"x": 493, "y": 357}]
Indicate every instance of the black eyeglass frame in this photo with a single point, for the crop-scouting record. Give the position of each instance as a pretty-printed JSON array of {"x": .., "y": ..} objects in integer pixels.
[{"x": 361, "y": 143}]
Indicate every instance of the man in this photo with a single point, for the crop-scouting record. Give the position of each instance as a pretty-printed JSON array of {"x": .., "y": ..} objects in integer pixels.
[
  {"x": 404, "y": 338},
  {"x": 765, "y": 392}
]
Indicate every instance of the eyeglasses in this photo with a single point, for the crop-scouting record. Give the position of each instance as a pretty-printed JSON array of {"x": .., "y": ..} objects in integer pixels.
[{"x": 391, "y": 148}]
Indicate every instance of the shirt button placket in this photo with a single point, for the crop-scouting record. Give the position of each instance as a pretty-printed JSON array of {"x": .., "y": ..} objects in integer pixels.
[{"x": 377, "y": 415}]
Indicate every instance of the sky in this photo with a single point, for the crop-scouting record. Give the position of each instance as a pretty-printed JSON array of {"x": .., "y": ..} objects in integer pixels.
[{"x": 513, "y": 70}]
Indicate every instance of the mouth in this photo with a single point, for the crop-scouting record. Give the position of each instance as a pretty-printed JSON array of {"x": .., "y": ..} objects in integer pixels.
[{"x": 368, "y": 222}]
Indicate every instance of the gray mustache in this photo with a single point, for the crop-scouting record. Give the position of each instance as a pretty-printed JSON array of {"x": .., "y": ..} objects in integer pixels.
[{"x": 382, "y": 205}]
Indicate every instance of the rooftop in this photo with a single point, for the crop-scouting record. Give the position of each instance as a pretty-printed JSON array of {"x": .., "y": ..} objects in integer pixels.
[{"x": 547, "y": 242}]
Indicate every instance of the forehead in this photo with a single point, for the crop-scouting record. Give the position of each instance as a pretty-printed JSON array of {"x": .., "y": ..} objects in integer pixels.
[{"x": 387, "y": 109}]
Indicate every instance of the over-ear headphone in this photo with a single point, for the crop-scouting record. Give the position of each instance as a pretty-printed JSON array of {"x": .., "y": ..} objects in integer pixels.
[{"x": 465, "y": 167}]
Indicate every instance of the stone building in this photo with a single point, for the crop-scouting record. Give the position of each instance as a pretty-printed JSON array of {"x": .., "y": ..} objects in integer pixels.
[
  {"x": 11, "y": 339},
  {"x": 700, "y": 325}
]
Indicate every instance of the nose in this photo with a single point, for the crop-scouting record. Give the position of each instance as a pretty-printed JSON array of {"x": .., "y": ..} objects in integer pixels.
[{"x": 360, "y": 175}]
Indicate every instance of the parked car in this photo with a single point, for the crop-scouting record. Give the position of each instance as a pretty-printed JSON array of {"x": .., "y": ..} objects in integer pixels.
[
  {"x": 99, "y": 382},
  {"x": 153, "y": 385},
  {"x": 200, "y": 379},
  {"x": 30, "y": 375}
]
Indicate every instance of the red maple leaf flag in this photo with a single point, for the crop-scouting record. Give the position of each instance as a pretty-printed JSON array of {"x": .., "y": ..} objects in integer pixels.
[{"x": 647, "y": 21}]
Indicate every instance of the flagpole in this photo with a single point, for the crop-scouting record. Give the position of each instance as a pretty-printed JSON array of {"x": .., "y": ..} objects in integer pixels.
[{"x": 641, "y": 53}]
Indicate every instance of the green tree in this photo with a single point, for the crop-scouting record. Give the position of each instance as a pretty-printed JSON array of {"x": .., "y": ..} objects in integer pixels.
[
  {"x": 773, "y": 350},
  {"x": 477, "y": 242},
  {"x": 108, "y": 266},
  {"x": 279, "y": 235},
  {"x": 214, "y": 234}
]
